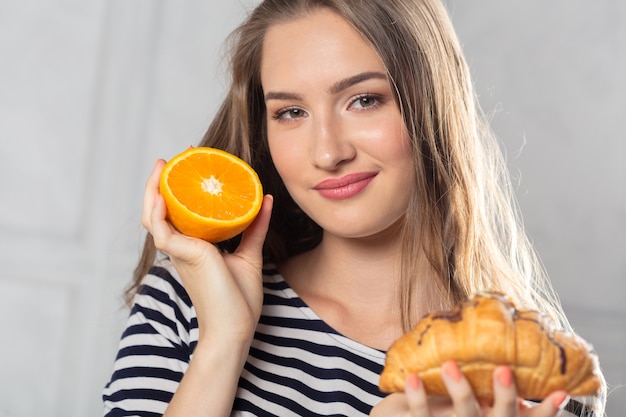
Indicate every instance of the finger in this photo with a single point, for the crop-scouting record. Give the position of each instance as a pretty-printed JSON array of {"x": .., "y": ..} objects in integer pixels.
[
  {"x": 392, "y": 405},
  {"x": 459, "y": 389},
  {"x": 416, "y": 397},
  {"x": 505, "y": 392},
  {"x": 160, "y": 229},
  {"x": 167, "y": 239},
  {"x": 551, "y": 406},
  {"x": 150, "y": 192},
  {"x": 251, "y": 245}
]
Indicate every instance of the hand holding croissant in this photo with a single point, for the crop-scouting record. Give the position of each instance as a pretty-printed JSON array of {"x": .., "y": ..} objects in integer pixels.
[{"x": 487, "y": 331}]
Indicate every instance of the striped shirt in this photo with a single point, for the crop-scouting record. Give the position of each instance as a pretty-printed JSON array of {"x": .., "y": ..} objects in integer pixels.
[{"x": 297, "y": 364}]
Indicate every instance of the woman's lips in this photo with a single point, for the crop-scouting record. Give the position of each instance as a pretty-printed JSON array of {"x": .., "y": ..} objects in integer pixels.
[{"x": 346, "y": 186}]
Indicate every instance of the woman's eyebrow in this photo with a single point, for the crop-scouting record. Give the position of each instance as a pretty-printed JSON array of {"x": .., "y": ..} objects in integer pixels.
[
  {"x": 282, "y": 96},
  {"x": 334, "y": 89},
  {"x": 355, "y": 79}
]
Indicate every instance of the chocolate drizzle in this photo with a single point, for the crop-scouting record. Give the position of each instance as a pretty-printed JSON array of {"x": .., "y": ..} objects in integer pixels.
[
  {"x": 421, "y": 339},
  {"x": 453, "y": 316},
  {"x": 550, "y": 335},
  {"x": 456, "y": 315}
]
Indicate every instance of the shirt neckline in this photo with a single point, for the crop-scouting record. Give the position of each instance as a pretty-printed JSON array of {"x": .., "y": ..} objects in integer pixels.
[{"x": 310, "y": 314}]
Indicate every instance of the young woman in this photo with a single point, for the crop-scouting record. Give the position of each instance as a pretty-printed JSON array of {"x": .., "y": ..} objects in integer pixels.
[{"x": 388, "y": 199}]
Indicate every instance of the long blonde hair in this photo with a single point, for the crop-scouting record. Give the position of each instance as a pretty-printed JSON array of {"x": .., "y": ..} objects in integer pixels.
[{"x": 462, "y": 224}]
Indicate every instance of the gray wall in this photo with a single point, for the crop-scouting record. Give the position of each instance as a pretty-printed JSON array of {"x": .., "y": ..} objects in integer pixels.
[{"x": 93, "y": 92}]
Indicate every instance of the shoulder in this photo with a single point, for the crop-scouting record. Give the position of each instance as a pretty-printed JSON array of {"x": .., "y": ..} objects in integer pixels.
[
  {"x": 162, "y": 282},
  {"x": 272, "y": 279},
  {"x": 277, "y": 292},
  {"x": 161, "y": 298},
  {"x": 155, "y": 347}
]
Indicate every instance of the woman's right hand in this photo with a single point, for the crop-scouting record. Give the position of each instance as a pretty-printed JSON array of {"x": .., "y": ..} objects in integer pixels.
[
  {"x": 225, "y": 289},
  {"x": 414, "y": 402}
]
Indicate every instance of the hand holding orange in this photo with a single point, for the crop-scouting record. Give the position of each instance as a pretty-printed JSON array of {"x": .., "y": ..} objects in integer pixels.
[{"x": 210, "y": 194}]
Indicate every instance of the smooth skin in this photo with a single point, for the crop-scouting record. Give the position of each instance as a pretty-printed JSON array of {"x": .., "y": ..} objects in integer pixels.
[{"x": 325, "y": 123}]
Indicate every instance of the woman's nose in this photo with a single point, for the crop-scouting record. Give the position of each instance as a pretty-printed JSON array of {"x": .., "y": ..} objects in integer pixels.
[{"x": 330, "y": 146}]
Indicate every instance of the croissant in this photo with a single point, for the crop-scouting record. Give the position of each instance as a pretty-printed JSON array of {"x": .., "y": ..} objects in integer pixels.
[{"x": 487, "y": 331}]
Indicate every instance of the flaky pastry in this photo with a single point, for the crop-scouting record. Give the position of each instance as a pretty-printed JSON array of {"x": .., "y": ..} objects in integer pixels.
[{"x": 487, "y": 331}]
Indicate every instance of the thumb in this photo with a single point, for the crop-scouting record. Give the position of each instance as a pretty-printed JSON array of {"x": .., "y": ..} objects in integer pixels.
[{"x": 251, "y": 245}]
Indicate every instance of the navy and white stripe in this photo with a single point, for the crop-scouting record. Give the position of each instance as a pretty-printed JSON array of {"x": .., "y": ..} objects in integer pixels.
[{"x": 297, "y": 364}]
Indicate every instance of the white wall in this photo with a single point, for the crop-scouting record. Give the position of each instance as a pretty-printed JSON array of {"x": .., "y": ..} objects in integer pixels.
[{"x": 91, "y": 93}]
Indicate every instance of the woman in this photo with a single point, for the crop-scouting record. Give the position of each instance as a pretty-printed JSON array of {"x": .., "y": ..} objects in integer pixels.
[{"x": 390, "y": 199}]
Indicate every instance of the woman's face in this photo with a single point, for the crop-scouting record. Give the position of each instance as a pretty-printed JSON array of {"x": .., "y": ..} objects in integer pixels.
[{"x": 335, "y": 133}]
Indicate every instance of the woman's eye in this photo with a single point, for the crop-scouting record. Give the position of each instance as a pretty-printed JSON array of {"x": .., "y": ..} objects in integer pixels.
[
  {"x": 289, "y": 114},
  {"x": 365, "y": 101}
]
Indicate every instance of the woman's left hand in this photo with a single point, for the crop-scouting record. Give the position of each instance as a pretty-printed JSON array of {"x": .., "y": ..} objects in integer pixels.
[{"x": 462, "y": 403}]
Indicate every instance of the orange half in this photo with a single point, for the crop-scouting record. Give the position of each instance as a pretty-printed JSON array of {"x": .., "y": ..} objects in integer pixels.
[{"x": 210, "y": 194}]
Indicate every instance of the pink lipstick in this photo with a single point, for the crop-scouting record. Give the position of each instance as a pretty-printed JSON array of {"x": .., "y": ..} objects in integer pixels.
[{"x": 346, "y": 186}]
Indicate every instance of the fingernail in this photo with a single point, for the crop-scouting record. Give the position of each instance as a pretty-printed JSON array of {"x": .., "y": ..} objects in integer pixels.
[
  {"x": 561, "y": 400},
  {"x": 413, "y": 382},
  {"x": 452, "y": 370},
  {"x": 505, "y": 376}
]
